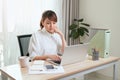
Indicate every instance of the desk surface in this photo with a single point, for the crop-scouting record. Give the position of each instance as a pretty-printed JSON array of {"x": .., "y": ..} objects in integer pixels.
[{"x": 15, "y": 72}]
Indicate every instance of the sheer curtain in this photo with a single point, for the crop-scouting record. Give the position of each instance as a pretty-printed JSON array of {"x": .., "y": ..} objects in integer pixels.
[
  {"x": 70, "y": 12},
  {"x": 1, "y": 37},
  {"x": 22, "y": 17}
]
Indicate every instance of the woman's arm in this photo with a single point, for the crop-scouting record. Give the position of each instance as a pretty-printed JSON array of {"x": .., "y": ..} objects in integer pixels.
[
  {"x": 44, "y": 57},
  {"x": 35, "y": 49},
  {"x": 62, "y": 38}
]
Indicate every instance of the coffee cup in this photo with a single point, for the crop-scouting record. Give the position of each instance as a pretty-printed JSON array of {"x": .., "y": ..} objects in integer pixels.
[{"x": 24, "y": 61}]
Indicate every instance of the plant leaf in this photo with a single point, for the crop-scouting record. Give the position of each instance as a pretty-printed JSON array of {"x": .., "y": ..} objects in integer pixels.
[
  {"x": 75, "y": 19},
  {"x": 81, "y": 31},
  {"x": 85, "y": 24},
  {"x": 80, "y": 20},
  {"x": 87, "y": 34},
  {"x": 73, "y": 26},
  {"x": 85, "y": 29},
  {"x": 74, "y": 34}
]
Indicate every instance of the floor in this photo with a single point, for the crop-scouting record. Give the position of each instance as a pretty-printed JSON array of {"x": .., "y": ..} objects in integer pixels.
[{"x": 93, "y": 76}]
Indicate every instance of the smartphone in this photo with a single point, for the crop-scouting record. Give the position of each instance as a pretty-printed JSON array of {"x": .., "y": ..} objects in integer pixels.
[{"x": 49, "y": 66}]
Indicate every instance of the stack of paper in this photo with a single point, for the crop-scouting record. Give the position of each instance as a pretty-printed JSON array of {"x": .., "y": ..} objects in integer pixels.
[
  {"x": 39, "y": 68},
  {"x": 38, "y": 65},
  {"x": 38, "y": 62}
]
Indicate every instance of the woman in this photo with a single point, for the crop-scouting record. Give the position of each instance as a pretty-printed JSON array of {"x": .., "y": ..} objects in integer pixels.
[{"x": 47, "y": 42}]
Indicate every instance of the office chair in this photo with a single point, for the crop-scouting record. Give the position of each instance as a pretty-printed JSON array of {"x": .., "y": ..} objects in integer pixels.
[{"x": 23, "y": 41}]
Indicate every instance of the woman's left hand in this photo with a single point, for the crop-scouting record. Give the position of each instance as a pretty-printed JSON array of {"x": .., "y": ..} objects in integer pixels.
[{"x": 58, "y": 31}]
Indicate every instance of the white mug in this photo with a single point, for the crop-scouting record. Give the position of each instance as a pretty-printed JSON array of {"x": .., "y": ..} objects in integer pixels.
[{"x": 24, "y": 61}]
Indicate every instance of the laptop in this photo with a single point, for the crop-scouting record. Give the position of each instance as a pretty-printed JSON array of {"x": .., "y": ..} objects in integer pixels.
[{"x": 72, "y": 54}]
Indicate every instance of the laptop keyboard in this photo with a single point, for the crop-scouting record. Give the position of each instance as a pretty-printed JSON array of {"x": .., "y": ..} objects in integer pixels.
[{"x": 54, "y": 62}]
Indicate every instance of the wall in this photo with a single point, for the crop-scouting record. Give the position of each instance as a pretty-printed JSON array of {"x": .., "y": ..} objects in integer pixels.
[{"x": 104, "y": 14}]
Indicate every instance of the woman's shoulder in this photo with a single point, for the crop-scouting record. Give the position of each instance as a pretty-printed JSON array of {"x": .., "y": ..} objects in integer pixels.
[{"x": 36, "y": 33}]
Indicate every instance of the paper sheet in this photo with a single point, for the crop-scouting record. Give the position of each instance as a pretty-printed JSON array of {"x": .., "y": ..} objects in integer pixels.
[
  {"x": 35, "y": 69},
  {"x": 39, "y": 62}
]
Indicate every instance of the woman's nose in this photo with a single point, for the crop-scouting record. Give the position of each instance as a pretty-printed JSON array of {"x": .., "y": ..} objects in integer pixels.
[{"x": 51, "y": 25}]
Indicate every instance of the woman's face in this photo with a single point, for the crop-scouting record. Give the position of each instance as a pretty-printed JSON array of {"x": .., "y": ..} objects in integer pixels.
[{"x": 49, "y": 25}]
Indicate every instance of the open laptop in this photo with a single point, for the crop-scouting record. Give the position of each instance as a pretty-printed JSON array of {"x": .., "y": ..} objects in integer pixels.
[{"x": 72, "y": 54}]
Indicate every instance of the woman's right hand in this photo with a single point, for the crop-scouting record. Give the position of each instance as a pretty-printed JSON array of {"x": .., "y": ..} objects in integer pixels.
[{"x": 54, "y": 57}]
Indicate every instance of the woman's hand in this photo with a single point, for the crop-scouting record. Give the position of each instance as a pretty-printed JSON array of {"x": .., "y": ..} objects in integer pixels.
[
  {"x": 58, "y": 31},
  {"x": 54, "y": 57}
]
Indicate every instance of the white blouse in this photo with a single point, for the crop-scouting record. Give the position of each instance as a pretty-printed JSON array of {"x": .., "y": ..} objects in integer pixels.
[{"x": 42, "y": 43}]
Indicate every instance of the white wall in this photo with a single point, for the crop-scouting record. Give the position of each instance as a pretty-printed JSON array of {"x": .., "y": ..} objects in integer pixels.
[{"x": 104, "y": 14}]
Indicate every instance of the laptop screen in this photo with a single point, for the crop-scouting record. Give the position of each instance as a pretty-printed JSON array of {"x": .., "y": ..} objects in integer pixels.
[
  {"x": 75, "y": 53},
  {"x": 72, "y": 54}
]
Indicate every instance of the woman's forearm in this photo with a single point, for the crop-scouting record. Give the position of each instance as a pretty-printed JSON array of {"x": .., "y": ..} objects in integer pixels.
[
  {"x": 63, "y": 42},
  {"x": 40, "y": 57},
  {"x": 44, "y": 57},
  {"x": 62, "y": 38}
]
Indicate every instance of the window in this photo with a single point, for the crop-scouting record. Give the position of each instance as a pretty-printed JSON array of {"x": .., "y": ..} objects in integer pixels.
[
  {"x": 0, "y": 15},
  {"x": 1, "y": 55},
  {"x": 21, "y": 17}
]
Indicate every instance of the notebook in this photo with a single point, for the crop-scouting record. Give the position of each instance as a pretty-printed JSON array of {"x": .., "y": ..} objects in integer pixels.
[{"x": 72, "y": 54}]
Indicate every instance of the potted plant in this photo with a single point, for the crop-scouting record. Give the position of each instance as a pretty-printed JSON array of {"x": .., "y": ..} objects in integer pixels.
[{"x": 78, "y": 29}]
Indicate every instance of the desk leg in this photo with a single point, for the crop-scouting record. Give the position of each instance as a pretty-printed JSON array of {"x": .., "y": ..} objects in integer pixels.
[
  {"x": 3, "y": 77},
  {"x": 115, "y": 71}
]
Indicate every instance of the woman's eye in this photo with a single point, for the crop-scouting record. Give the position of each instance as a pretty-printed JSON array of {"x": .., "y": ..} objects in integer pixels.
[
  {"x": 48, "y": 23},
  {"x": 54, "y": 23}
]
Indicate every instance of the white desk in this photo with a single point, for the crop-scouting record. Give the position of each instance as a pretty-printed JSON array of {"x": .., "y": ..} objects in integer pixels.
[{"x": 14, "y": 72}]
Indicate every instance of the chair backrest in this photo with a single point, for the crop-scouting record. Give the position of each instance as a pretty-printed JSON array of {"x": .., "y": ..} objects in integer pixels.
[{"x": 23, "y": 41}]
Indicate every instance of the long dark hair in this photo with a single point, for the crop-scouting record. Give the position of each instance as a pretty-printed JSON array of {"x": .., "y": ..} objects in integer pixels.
[{"x": 51, "y": 15}]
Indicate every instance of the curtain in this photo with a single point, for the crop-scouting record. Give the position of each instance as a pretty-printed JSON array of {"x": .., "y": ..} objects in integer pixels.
[
  {"x": 19, "y": 17},
  {"x": 1, "y": 41},
  {"x": 70, "y": 12}
]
